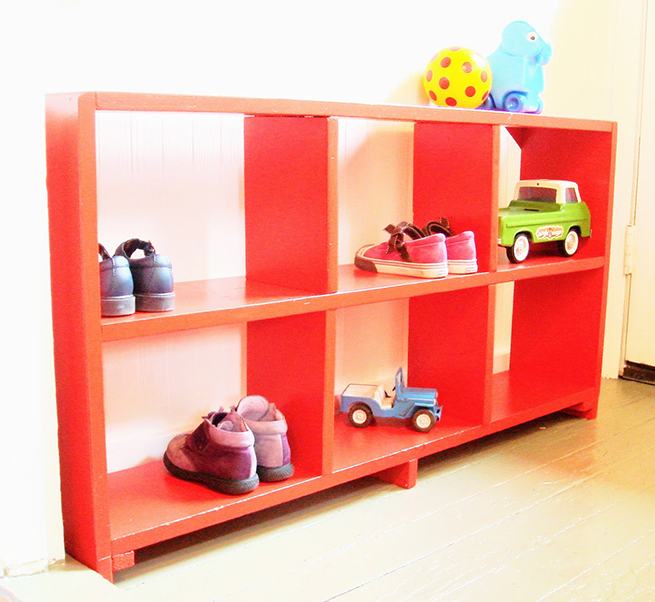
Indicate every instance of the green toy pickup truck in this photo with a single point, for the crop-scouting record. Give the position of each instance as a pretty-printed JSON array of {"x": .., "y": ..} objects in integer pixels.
[{"x": 543, "y": 210}]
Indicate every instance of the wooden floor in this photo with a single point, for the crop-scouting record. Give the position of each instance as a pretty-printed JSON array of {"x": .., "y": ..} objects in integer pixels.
[{"x": 559, "y": 510}]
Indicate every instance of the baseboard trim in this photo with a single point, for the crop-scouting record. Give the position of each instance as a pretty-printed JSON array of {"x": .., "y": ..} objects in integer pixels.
[{"x": 641, "y": 373}]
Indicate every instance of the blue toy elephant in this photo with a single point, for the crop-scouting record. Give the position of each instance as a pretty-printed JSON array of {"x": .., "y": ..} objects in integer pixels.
[{"x": 516, "y": 68}]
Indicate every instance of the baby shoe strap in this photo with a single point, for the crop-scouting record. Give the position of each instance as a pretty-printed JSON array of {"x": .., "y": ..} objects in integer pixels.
[
  {"x": 130, "y": 246},
  {"x": 440, "y": 225},
  {"x": 397, "y": 238}
]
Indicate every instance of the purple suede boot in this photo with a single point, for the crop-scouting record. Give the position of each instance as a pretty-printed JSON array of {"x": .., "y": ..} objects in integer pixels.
[
  {"x": 271, "y": 445},
  {"x": 220, "y": 454}
]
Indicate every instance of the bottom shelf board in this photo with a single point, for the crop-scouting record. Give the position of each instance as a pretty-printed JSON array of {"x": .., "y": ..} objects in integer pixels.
[
  {"x": 394, "y": 441},
  {"x": 148, "y": 505},
  {"x": 519, "y": 397}
]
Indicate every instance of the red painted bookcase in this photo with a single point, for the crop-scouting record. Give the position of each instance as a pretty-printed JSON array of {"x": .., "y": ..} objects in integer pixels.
[{"x": 290, "y": 180}]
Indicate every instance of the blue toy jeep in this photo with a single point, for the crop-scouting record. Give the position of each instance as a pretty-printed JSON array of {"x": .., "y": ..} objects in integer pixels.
[{"x": 364, "y": 402}]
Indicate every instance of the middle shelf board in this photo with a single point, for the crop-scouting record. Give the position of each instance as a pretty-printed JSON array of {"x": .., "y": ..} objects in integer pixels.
[{"x": 206, "y": 303}]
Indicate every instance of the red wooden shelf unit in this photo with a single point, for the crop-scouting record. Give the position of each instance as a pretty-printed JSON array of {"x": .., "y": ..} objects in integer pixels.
[{"x": 290, "y": 180}]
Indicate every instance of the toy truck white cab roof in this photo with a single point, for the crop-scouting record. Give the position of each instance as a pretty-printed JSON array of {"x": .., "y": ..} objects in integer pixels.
[{"x": 550, "y": 191}]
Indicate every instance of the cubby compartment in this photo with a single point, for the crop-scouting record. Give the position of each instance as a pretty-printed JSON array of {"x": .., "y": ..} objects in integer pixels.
[
  {"x": 273, "y": 188},
  {"x": 156, "y": 387},
  {"x": 451, "y": 345},
  {"x": 554, "y": 318},
  {"x": 371, "y": 345},
  {"x": 582, "y": 155},
  {"x": 175, "y": 178}
]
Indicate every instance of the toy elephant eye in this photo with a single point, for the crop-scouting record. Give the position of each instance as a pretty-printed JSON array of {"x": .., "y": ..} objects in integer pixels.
[{"x": 532, "y": 36}]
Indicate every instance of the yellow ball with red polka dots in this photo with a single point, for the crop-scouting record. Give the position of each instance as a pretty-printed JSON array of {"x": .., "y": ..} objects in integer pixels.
[{"x": 457, "y": 77}]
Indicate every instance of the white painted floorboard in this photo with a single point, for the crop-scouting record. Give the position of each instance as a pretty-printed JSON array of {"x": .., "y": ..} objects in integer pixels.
[{"x": 559, "y": 510}]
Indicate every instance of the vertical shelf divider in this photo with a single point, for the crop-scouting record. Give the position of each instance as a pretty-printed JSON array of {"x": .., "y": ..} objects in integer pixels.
[
  {"x": 451, "y": 348},
  {"x": 290, "y": 360},
  {"x": 290, "y": 196},
  {"x": 456, "y": 165}
]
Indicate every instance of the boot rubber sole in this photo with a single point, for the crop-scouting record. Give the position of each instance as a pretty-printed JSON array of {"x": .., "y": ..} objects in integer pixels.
[
  {"x": 271, "y": 475},
  {"x": 227, "y": 486}
]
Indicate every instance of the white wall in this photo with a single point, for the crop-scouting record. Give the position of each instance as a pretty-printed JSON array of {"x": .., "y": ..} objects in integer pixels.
[{"x": 350, "y": 51}]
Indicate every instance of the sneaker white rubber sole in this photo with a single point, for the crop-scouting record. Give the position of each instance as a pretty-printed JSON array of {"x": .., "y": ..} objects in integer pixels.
[
  {"x": 400, "y": 268},
  {"x": 462, "y": 266}
]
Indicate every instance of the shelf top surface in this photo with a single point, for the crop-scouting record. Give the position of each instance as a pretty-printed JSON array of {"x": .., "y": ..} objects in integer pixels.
[{"x": 127, "y": 101}]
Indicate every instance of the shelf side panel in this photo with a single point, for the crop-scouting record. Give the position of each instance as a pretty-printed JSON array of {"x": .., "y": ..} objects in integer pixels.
[
  {"x": 451, "y": 349},
  {"x": 290, "y": 361},
  {"x": 456, "y": 177},
  {"x": 70, "y": 139},
  {"x": 290, "y": 196},
  {"x": 583, "y": 156}
]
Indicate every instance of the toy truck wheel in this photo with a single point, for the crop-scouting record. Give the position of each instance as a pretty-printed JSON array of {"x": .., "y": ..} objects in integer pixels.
[
  {"x": 570, "y": 244},
  {"x": 520, "y": 249},
  {"x": 423, "y": 420},
  {"x": 360, "y": 415}
]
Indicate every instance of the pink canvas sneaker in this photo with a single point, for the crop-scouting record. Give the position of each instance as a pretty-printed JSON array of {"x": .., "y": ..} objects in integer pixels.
[
  {"x": 220, "y": 453},
  {"x": 462, "y": 257},
  {"x": 409, "y": 252}
]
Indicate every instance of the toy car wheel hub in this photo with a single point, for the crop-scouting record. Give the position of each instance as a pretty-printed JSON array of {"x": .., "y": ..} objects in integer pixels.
[
  {"x": 520, "y": 248},
  {"x": 360, "y": 415},
  {"x": 423, "y": 421},
  {"x": 571, "y": 242}
]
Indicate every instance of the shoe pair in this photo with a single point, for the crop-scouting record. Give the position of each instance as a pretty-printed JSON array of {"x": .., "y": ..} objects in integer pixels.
[
  {"x": 135, "y": 284},
  {"x": 431, "y": 252},
  {"x": 231, "y": 452}
]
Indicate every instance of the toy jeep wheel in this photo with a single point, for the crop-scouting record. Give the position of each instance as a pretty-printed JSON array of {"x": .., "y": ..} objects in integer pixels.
[
  {"x": 360, "y": 415},
  {"x": 423, "y": 420},
  {"x": 520, "y": 249},
  {"x": 569, "y": 245}
]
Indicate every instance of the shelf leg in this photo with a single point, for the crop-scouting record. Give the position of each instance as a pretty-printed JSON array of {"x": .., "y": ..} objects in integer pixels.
[
  {"x": 404, "y": 475},
  {"x": 581, "y": 411},
  {"x": 122, "y": 561}
]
